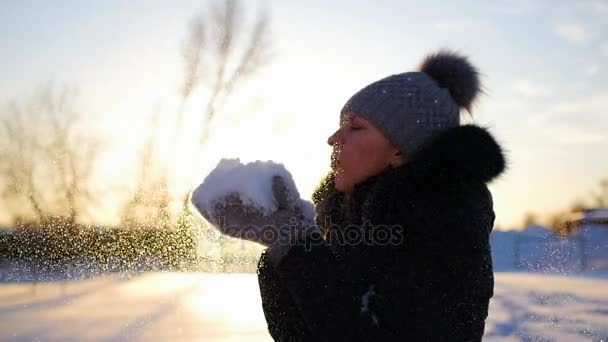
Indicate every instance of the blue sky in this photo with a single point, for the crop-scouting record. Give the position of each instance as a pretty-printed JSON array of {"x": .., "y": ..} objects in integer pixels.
[{"x": 544, "y": 66}]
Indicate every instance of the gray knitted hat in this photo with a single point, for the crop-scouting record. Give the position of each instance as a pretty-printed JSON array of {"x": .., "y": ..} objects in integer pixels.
[{"x": 410, "y": 108}]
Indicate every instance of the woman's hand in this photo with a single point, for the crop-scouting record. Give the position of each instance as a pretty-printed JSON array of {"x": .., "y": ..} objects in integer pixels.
[{"x": 232, "y": 217}]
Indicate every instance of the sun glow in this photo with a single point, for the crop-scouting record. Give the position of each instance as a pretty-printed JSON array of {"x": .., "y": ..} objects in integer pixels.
[{"x": 225, "y": 301}]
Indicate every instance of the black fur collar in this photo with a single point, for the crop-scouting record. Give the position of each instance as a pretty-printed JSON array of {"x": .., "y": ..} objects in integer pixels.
[{"x": 466, "y": 152}]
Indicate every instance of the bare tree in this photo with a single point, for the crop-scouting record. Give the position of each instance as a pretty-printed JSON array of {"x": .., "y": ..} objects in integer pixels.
[
  {"x": 192, "y": 57},
  {"x": 530, "y": 219},
  {"x": 601, "y": 197},
  {"x": 17, "y": 159},
  {"x": 559, "y": 223},
  {"x": 222, "y": 53},
  {"x": 49, "y": 157},
  {"x": 71, "y": 150},
  {"x": 149, "y": 204}
]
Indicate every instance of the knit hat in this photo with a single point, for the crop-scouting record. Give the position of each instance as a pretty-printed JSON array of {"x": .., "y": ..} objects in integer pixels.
[{"x": 410, "y": 108}]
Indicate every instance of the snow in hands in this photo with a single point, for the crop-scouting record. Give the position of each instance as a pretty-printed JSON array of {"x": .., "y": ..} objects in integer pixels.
[
  {"x": 252, "y": 182},
  {"x": 257, "y": 201}
]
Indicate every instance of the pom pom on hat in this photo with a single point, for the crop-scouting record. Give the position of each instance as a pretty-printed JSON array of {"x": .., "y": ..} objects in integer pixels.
[{"x": 454, "y": 72}]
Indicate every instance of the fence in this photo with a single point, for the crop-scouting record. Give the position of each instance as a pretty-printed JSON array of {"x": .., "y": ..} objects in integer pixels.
[{"x": 582, "y": 252}]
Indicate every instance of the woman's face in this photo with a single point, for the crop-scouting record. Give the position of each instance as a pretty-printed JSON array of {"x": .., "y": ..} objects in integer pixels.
[{"x": 360, "y": 151}]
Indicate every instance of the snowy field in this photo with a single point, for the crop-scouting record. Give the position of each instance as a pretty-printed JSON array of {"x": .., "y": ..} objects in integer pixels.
[
  {"x": 542, "y": 308},
  {"x": 226, "y": 307}
]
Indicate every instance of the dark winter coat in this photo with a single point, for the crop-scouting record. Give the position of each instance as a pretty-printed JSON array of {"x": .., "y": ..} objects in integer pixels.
[{"x": 432, "y": 281}]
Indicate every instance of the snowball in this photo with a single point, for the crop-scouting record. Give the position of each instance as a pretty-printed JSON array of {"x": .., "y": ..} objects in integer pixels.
[{"x": 252, "y": 182}]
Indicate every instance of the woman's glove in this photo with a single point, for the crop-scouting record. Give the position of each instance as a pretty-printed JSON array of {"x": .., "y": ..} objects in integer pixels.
[{"x": 232, "y": 217}]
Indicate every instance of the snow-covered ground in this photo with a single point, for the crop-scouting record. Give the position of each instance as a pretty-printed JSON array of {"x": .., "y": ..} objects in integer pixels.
[
  {"x": 226, "y": 307},
  {"x": 541, "y": 307}
]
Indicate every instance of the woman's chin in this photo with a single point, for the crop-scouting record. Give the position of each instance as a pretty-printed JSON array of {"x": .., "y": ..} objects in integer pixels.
[{"x": 341, "y": 185}]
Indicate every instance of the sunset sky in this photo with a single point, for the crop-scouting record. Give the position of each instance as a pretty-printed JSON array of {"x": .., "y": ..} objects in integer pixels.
[{"x": 544, "y": 66}]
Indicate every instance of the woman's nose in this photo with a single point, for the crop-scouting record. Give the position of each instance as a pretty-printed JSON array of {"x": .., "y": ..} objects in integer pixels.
[{"x": 334, "y": 138}]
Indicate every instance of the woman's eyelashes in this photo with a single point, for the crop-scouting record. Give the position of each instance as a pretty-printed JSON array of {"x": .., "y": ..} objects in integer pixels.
[{"x": 354, "y": 127}]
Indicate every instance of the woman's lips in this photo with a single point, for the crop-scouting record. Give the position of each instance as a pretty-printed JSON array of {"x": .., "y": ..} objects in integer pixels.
[
  {"x": 336, "y": 167},
  {"x": 335, "y": 160}
]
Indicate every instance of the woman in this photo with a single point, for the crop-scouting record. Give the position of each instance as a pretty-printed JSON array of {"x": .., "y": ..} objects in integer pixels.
[{"x": 404, "y": 216}]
